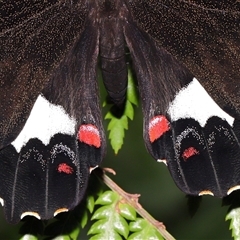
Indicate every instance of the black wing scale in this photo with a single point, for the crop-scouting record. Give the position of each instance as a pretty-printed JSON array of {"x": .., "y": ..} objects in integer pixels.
[
  {"x": 49, "y": 51},
  {"x": 201, "y": 160}
]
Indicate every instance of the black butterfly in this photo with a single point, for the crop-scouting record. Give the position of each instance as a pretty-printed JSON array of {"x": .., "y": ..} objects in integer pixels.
[{"x": 51, "y": 132}]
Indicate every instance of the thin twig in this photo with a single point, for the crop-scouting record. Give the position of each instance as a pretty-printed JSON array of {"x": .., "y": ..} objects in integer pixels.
[{"x": 132, "y": 199}]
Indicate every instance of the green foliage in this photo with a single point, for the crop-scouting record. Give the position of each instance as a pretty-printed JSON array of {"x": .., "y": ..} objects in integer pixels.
[
  {"x": 110, "y": 223},
  {"x": 234, "y": 217},
  {"x": 29, "y": 237},
  {"x": 117, "y": 220},
  {"x": 143, "y": 230}
]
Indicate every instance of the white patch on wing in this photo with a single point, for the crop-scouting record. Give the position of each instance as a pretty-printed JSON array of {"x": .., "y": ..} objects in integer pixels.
[
  {"x": 2, "y": 201},
  {"x": 194, "y": 102},
  {"x": 45, "y": 120}
]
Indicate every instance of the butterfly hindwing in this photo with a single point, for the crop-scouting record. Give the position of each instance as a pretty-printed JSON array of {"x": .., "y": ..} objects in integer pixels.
[
  {"x": 187, "y": 40},
  {"x": 63, "y": 137},
  {"x": 47, "y": 165},
  {"x": 202, "y": 142}
]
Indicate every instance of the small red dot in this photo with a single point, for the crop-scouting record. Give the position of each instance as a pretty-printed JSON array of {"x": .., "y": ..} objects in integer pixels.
[
  {"x": 63, "y": 167},
  {"x": 189, "y": 152}
]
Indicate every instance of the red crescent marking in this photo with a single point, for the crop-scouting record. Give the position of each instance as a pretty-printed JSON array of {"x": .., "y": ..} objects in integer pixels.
[
  {"x": 63, "y": 167},
  {"x": 157, "y": 127},
  {"x": 189, "y": 152},
  {"x": 89, "y": 134}
]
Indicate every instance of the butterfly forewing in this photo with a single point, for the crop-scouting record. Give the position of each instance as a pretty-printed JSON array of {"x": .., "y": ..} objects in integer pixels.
[
  {"x": 204, "y": 36},
  {"x": 32, "y": 46}
]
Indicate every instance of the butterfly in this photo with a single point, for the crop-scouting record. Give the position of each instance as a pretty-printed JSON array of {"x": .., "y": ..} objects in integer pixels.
[{"x": 51, "y": 132}]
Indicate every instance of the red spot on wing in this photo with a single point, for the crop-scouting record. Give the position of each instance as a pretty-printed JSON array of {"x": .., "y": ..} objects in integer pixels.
[
  {"x": 89, "y": 134},
  {"x": 189, "y": 152},
  {"x": 63, "y": 167},
  {"x": 157, "y": 127}
]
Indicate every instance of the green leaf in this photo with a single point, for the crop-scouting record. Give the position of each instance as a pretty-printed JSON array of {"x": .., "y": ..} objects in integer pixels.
[
  {"x": 107, "y": 197},
  {"x": 150, "y": 234},
  {"x": 112, "y": 235},
  {"x": 138, "y": 225},
  {"x": 121, "y": 225},
  {"x": 110, "y": 223},
  {"x": 132, "y": 94},
  {"x": 90, "y": 203},
  {"x": 127, "y": 211},
  {"x": 117, "y": 127},
  {"x": 28, "y": 237},
  {"x": 63, "y": 237},
  {"x": 143, "y": 230},
  {"x": 116, "y": 122},
  {"x": 84, "y": 219},
  {"x": 75, "y": 233},
  {"x": 234, "y": 217},
  {"x": 99, "y": 227},
  {"x": 129, "y": 110},
  {"x": 102, "y": 212}
]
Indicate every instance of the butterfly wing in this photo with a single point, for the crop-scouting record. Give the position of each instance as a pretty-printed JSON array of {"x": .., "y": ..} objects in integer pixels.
[
  {"x": 204, "y": 36},
  {"x": 178, "y": 42},
  {"x": 56, "y": 127},
  {"x": 200, "y": 145},
  {"x": 32, "y": 46}
]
